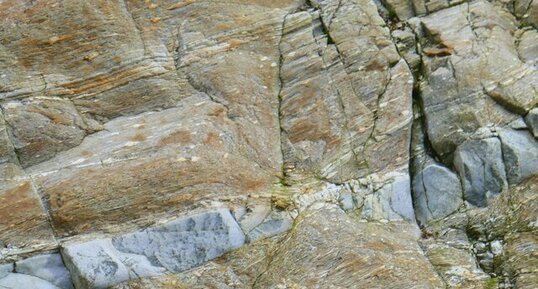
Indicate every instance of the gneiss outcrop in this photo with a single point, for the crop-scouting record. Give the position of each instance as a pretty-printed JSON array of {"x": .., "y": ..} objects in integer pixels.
[{"x": 268, "y": 144}]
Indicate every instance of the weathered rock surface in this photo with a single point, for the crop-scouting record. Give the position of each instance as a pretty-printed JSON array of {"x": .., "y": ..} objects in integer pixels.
[
  {"x": 510, "y": 234},
  {"x": 150, "y": 158},
  {"x": 172, "y": 247},
  {"x": 23, "y": 220},
  {"x": 473, "y": 73},
  {"x": 309, "y": 257},
  {"x": 346, "y": 96},
  {"x": 340, "y": 143}
]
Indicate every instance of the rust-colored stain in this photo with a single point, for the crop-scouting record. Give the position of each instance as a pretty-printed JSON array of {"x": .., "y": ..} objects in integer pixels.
[
  {"x": 219, "y": 111},
  {"x": 86, "y": 153},
  {"x": 253, "y": 184},
  {"x": 212, "y": 139},
  {"x": 178, "y": 137},
  {"x": 138, "y": 137},
  {"x": 55, "y": 39},
  {"x": 234, "y": 44},
  {"x": 438, "y": 51},
  {"x": 375, "y": 65},
  {"x": 17, "y": 203},
  {"x": 55, "y": 118},
  {"x": 180, "y": 4}
]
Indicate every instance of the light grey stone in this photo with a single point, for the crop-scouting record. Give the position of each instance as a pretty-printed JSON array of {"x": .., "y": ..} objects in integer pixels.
[
  {"x": 532, "y": 121},
  {"x": 346, "y": 201},
  {"x": 518, "y": 124},
  {"x": 277, "y": 222},
  {"x": 173, "y": 247},
  {"x": 481, "y": 168},
  {"x": 392, "y": 201},
  {"x": 185, "y": 243},
  {"x": 437, "y": 193},
  {"x": 23, "y": 281},
  {"x": 254, "y": 216},
  {"x": 5, "y": 269},
  {"x": 95, "y": 264},
  {"x": 48, "y": 267},
  {"x": 528, "y": 45},
  {"x": 496, "y": 247},
  {"x": 520, "y": 154}
]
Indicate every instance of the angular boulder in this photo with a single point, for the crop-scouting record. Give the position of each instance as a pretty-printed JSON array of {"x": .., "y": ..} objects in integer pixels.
[
  {"x": 520, "y": 154},
  {"x": 437, "y": 193},
  {"x": 481, "y": 169}
]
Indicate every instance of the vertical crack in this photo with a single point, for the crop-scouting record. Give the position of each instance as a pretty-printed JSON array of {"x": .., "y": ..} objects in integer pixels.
[{"x": 284, "y": 176}]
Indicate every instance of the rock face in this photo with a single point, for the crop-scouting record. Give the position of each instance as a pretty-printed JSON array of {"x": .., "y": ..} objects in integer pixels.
[
  {"x": 268, "y": 144},
  {"x": 309, "y": 257}
]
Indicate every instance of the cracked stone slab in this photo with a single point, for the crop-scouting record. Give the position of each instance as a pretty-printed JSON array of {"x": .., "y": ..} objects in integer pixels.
[
  {"x": 173, "y": 247},
  {"x": 254, "y": 215}
]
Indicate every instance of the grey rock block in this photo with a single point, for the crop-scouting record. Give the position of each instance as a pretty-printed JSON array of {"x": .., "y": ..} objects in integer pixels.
[
  {"x": 173, "y": 247},
  {"x": 277, "y": 222},
  {"x": 5, "y": 269},
  {"x": 346, "y": 201},
  {"x": 532, "y": 121},
  {"x": 98, "y": 264},
  {"x": 437, "y": 193},
  {"x": 520, "y": 154},
  {"x": 481, "y": 168},
  {"x": 392, "y": 201},
  {"x": 23, "y": 281},
  {"x": 49, "y": 267},
  {"x": 518, "y": 124}
]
